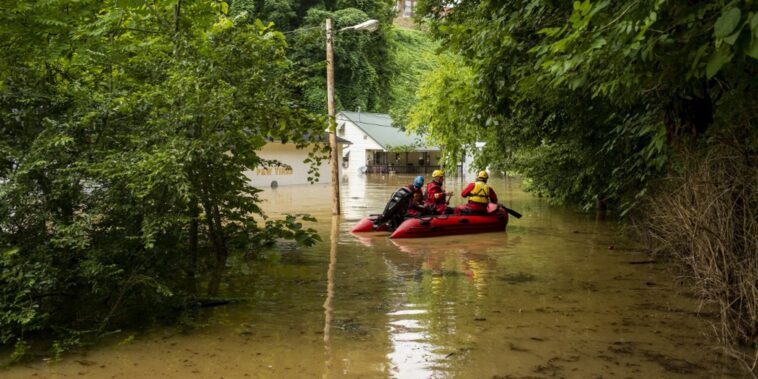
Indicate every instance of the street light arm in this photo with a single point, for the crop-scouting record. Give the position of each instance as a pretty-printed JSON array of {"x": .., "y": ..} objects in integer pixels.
[{"x": 370, "y": 25}]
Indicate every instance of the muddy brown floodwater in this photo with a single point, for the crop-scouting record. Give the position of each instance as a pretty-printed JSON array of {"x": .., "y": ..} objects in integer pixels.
[{"x": 548, "y": 298}]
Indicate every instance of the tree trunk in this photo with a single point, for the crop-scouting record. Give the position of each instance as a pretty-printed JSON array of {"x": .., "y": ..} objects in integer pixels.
[
  {"x": 222, "y": 253},
  {"x": 688, "y": 117},
  {"x": 177, "y": 16},
  {"x": 193, "y": 249},
  {"x": 216, "y": 234},
  {"x": 601, "y": 208}
]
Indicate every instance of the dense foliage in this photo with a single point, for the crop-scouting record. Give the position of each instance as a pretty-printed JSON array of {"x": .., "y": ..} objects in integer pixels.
[
  {"x": 415, "y": 55},
  {"x": 126, "y": 127},
  {"x": 590, "y": 99},
  {"x": 363, "y": 61}
]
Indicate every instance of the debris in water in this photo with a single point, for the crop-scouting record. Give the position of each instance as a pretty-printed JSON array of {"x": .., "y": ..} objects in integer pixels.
[{"x": 519, "y": 349}]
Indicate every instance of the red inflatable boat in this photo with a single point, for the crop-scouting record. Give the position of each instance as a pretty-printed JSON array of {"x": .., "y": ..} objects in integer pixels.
[
  {"x": 395, "y": 219},
  {"x": 447, "y": 225},
  {"x": 367, "y": 225},
  {"x": 442, "y": 225}
]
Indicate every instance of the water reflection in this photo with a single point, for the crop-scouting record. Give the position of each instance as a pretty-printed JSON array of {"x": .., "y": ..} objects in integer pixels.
[
  {"x": 443, "y": 274},
  {"x": 333, "y": 236},
  {"x": 413, "y": 354},
  {"x": 446, "y": 276}
]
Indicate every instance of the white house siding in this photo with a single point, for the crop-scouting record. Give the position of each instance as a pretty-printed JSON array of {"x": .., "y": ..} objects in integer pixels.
[
  {"x": 288, "y": 154},
  {"x": 360, "y": 143},
  {"x": 469, "y": 170}
]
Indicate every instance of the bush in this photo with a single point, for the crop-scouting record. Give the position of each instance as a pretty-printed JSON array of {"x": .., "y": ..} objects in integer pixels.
[{"x": 706, "y": 218}]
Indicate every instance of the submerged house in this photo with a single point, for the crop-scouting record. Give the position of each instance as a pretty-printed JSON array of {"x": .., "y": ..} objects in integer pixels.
[
  {"x": 291, "y": 168},
  {"x": 378, "y": 147}
]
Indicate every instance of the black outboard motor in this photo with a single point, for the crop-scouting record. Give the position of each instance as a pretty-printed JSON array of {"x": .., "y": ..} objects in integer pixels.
[{"x": 395, "y": 210}]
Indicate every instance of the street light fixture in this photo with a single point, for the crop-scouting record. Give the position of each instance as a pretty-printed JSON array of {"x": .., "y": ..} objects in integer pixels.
[{"x": 370, "y": 26}]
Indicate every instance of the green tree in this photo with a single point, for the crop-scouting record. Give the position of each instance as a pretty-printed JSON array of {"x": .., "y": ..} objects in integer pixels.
[
  {"x": 415, "y": 55},
  {"x": 364, "y": 62},
  {"x": 126, "y": 128},
  {"x": 622, "y": 84}
]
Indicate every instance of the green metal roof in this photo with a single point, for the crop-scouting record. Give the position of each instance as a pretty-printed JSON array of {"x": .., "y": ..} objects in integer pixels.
[{"x": 379, "y": 127}]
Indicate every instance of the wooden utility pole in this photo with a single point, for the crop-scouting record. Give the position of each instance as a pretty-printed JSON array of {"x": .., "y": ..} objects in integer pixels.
[{"x": 332, "y": 124}]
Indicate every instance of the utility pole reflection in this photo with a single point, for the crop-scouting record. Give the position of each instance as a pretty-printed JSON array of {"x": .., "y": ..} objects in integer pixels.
[{"x": 330, "y": 291}]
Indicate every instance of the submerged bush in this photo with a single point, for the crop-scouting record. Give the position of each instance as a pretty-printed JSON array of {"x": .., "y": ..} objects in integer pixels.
[{"x": 706, "y": 218}]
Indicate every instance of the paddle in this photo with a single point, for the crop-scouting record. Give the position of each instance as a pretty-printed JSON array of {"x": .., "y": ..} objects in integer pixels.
[
  {"x": 511, "y": 211},
  {"x": 448, "y": 210}
]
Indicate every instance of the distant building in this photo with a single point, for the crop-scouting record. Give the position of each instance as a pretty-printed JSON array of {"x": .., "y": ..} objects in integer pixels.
[
  {"x": 378, "y": 147},
  {"x": 406, "y": 8},
  {"x": 291, "y": 169}
]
